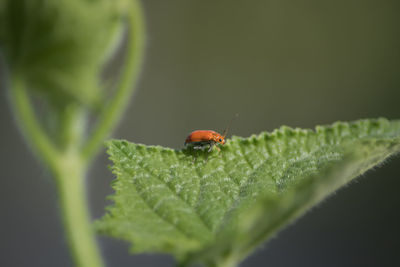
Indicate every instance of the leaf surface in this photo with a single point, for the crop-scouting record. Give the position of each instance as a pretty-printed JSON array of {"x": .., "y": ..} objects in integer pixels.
[{"x": 216, "y": 208}]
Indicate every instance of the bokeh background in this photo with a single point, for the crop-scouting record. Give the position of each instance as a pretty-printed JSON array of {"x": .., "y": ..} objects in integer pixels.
[{"x": 298, "y": 63}]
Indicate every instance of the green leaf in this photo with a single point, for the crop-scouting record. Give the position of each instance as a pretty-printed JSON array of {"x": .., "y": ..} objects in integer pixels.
[{"x": 216, "y": 208}]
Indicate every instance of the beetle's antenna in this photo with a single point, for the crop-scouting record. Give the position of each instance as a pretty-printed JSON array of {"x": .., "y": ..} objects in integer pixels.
[{"x": 229, "y": 125}]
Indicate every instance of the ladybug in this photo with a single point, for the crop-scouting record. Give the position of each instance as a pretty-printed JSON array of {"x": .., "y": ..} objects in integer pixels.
[{"x": 200, "y": 139}]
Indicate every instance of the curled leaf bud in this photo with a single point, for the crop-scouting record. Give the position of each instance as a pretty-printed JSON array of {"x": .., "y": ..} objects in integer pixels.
[{"x": 59, "y": 47}]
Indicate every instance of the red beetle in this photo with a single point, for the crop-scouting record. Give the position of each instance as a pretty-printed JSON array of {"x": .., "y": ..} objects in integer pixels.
[{"x": 201, "y": 138}]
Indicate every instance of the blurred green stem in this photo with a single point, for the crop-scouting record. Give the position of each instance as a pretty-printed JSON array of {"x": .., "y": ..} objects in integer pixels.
[
  {"x": 67, "y": 166},
  {"x": 112, "y": 112},
  {"x": 29, "y": 125},
  {"x": 69, "y": 162},
  {"x": 72, "y": 194}
]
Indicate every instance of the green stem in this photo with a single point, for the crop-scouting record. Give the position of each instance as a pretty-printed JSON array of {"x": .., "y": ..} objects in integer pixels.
[
  {"x": 74, "y": 206},
  {"x": 69, "y": 169},
  {"x": 112, "y": 112},
  {"x": 69, "y": 163},
  {"x": 28, "y": 123}
]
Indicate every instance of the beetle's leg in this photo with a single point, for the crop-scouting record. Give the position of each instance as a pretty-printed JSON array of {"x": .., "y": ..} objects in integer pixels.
[
  {"x": 211, "y": 146},
  {"x": 195, "y": 153}
]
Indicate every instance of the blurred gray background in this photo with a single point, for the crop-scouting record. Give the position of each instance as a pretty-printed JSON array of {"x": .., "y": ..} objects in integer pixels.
[{"x": 298, "y": 63}]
